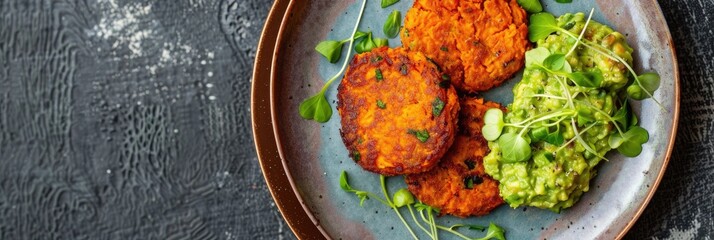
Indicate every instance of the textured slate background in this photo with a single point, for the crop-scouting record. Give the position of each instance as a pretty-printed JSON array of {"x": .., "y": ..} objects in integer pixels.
[{"x": 128, "y": 119}]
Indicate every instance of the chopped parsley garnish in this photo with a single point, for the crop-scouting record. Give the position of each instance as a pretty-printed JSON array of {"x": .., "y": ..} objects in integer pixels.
[
  {"x": 437, "y": 106},
  {"x": 381, "y": 104},
  {"x": 378, "y": 74},
  {"x": 422, "y": 135}
]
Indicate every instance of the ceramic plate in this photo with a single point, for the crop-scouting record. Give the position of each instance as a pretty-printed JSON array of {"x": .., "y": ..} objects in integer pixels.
[{"x": 302, "y": 160}]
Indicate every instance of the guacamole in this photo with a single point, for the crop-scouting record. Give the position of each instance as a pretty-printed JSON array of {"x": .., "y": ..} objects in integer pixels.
[{"x": 558, "y": 171}]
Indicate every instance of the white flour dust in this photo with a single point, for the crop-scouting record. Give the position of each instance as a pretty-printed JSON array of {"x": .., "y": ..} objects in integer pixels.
[{"x": 123, "y": 25}]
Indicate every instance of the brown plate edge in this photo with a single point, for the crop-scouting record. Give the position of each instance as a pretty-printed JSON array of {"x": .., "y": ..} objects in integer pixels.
[
  {"x": 271, "y": 164},
  {"x": 675, "y": 123}
]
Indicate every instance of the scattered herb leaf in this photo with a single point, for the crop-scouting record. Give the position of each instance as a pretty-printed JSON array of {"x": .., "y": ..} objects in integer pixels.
[
  {"x": 541, "y": 25},
  {"x": 387, "y": 3},
  {"x": 494, "y": 232},
  {"x": 316, "y": 108},
  {"x": 331, "y": 50},
  {"x": 531, "y": 6},
  {"x": 392, "y": 25},
  {"x": 378, "y": 74},
  {"x": 630, "y": 143},
  {"x": 515, "y": 148},
  {"x": 437, "y": 106},
  {"x": 422, "y": 135}
]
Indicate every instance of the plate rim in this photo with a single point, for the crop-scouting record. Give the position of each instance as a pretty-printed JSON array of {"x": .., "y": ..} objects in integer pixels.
[
  {"x": 298, "y": 229},
  {"x": 271, "y": 165}
]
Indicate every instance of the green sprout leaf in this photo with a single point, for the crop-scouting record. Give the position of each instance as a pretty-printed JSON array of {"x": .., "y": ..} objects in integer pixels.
[
  {"x": 493, "y": 124},
  {"x": 585, "y": 116},
  {"x": 536, "y": 56},
  {"x": 554, "y": 62},
  {"x": 531, "y": 6},
  {"x": 402, "y": 198},
  {"x": 316, "y": 107},
  {"x": 331, "y": 50},
  {"x": 650, "y": 83},
  {"x": 437, "y": 106},
  {"x": 539, "y": 134},
  {"x": 381, "y": 42},
  {"x": 555, "y": 138},
  {"x": 392, "y": 25},
  {"x": 494, "y": 232},
  {"x": 587, "y": 79},
  {"x": 622, "y": 115},
  {"x": 541, "y": 25},
  {"x": 422, "y": 135},
  {"x": 343, "y": 182},
  {"x": 366, "y": 44},
  {"x": 630, "y": 143},
  {"x": 563, "y": 1},
  {"x": 387, "y": 3},
  {"x": 515, "y": 148}
]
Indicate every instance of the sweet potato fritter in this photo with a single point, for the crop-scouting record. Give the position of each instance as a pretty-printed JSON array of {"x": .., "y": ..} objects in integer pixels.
[
  {"x": 478, "y": 43},
  {"x": 397, "y": 115},
  {"x": 458, "y": 185}
]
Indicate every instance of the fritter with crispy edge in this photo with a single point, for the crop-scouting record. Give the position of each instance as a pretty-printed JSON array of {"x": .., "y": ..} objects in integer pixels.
[
  {"x": 458, "y": 185},
  {"x": 398, "y": 115},
  {"x": 479, "y": 43}
]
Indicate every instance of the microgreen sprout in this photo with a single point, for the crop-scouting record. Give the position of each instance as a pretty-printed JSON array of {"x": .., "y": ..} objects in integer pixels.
[
  {"x": 387, "y": 3},
  {"x": 531, "y": 6},
  {"x": 392, "y": 25},
  {"x": 544, "y": 24},
  {"x": 579, "y": 112},
  {"x": 427, "y": 214},
  {"x": 368, "y": 43},
  {"x": 317, "y": 107}
]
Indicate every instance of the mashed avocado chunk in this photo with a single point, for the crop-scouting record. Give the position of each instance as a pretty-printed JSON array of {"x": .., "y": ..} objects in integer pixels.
[{"x": 565, "y": 111}]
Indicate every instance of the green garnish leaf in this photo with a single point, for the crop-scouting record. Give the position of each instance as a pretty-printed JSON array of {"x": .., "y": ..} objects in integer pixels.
[
  {"x": 381, "y": 104},
  {"x": 563, "y": 1},
  {"x": 366, "y": 44},
  {"x": 387, "y": 3},
  {"x": 586, "y": 79},
  {"x": 494, "y": 232},
  {"x": 585, "y": 116},
  {"x": 381, "y": 42},
  {"x": 536, "y": 56},
  {"x": 630, "y": 143},
  {"x": 331, "y": 50},
  {"x": 541, "y": 25},
  {"x": 317, "y": 108},
  {"x": 378, "y": 74},
  {"x": 343, "y": 182},
  {"x": 493, "y": 124},
  {"x": 539, "y": 134},
  {"x": 515, "y": 148},
  {"x": 531, "y": 6},
  {"x": 437, "y": 106},
  {"x": 356, "y": 156},
  {"x": 554, "y": 62},
  {"x": 359, "y": 35},
  {"x": 392, "y": 25},
  {"x": 650, "y": 83},
  {"x": 422, "y": 135},
  {"x": 402, "y": 198},
  {"x": 555, "y": 138},
  {"x": 622, "y": 115}
]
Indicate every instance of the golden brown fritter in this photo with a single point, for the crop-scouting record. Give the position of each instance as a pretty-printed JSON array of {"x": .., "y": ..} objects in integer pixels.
[
  {"x": 458, "y": 185},
  {"x": 478, "y": 43},
  {"x": 397, "y": 115}
]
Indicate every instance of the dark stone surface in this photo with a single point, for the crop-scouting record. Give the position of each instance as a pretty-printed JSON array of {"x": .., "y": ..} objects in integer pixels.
[{"x": 91, "y": 91}]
